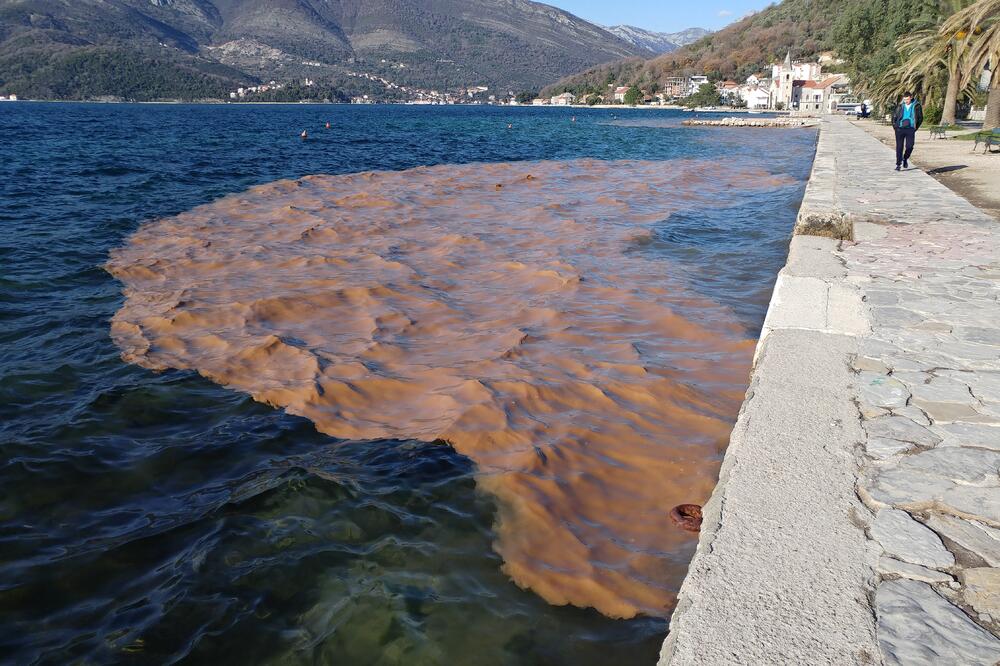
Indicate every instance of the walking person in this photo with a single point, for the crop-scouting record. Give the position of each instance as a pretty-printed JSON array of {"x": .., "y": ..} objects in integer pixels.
[{"x": 906, "y": 120}]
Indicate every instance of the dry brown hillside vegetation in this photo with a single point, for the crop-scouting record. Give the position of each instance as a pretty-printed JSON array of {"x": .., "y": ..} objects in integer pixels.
[{"x": 861, "y": 31}]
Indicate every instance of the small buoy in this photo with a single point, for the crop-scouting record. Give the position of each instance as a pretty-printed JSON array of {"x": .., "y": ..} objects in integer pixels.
[
  {"x": 328, "y": 125},
  {"x": 573, "y": 119},
  {"x": 687, "y": 517},
  {"x": 304, "y": 135},
  {"x": 510, "y": 125}
]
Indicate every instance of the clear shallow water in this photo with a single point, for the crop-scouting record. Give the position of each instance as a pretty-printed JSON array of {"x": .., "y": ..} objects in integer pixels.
[{"x": 158, "y": 517}]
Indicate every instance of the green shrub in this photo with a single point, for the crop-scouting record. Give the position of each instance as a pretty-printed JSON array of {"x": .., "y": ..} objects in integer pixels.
[{"x": 932, "y": 114}]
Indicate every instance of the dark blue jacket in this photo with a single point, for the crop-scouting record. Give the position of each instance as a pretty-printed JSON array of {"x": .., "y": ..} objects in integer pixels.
[{"x": 918, "y": 115}]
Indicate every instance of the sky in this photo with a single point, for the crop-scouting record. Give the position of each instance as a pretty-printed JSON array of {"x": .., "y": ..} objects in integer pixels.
[{"x": 662, "y": 15}]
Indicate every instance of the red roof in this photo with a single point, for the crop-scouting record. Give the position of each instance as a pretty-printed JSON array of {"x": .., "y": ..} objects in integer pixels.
[{"x": 825, "y": 83}]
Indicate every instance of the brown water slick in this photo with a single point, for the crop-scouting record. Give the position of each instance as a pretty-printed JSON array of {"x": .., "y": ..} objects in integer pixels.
[{"x": 523, "y": 324}]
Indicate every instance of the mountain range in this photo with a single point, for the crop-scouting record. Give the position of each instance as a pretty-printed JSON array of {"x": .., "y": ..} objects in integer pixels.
[
  {"x": 657, "y": 42},
  {"x": 145, "y": 49}
]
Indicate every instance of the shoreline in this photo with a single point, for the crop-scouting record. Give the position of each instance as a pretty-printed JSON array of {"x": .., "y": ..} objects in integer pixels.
[
  {"x": 578, "y": 107},
  {"x": 857, "y": 511}
]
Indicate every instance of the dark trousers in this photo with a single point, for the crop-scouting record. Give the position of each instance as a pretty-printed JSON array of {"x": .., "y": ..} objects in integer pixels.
[{"x": 904, "y": 143}]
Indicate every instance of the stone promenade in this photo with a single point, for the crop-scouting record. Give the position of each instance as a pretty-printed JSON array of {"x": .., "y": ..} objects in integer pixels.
[{"x": 857, "y": 516}]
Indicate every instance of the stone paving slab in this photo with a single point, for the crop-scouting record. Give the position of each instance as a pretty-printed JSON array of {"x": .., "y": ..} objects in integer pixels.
[{"x": 873, "y": 418}]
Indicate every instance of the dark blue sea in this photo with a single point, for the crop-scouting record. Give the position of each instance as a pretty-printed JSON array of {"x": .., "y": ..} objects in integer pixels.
[{"x": 156, "y": 518}]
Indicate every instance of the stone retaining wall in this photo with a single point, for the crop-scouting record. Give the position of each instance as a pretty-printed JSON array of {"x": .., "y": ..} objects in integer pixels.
[{"x": 856, "y": 516}]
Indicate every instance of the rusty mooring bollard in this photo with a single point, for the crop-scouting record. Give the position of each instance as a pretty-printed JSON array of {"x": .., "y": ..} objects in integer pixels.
[{"x": 687, "y": 517}]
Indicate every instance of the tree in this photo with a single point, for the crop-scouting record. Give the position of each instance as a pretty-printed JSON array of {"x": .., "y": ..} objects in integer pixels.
[
  {"x": 977, "y": 27},
  {"x": 928, "y": 55},
  {"x": 594, "y": 99},
  {"x": 633, "y": 96},
  {"x": 524, "y": 97},
  {"x": 866, "y": 32},
  {"x": 706, "y": 95},
  {"x": 931, "y": 51}
]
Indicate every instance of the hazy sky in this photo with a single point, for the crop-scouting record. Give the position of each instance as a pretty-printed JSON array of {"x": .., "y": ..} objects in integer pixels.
[{"x": 661, "y": 15}]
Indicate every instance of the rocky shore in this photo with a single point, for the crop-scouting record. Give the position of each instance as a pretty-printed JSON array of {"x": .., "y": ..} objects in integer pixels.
[
  {"x": 857, "y": 515},
  {"x": 783, "y": 122}
]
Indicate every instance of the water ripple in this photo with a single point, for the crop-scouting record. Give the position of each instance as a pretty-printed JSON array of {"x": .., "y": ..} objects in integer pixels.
[{"x": 153, "y": 518}]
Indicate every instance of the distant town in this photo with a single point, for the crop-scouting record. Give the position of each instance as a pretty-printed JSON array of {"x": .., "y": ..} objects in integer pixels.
[{"x": 790, "y": 85}]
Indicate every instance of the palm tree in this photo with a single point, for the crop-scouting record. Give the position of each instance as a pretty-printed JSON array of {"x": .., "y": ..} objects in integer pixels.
[
  {"x": 977, "y": 28},
  {"x": 929, "y": 53}
]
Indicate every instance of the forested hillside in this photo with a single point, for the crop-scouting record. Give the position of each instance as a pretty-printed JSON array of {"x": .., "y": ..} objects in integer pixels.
[{"x": 860, "y": 31}]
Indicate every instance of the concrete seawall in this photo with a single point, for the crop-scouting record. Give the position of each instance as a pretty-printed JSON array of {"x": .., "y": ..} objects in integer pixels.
[{"x": 855, "y": 519}]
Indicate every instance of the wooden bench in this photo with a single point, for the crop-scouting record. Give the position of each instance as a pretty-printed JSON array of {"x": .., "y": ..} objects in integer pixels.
[
  {"x": 989, "y": 139},
  {"x": 939, "y": 132}
]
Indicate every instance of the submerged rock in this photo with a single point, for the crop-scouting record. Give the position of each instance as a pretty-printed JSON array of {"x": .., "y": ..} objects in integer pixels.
[{"x": 783, "y": 122}]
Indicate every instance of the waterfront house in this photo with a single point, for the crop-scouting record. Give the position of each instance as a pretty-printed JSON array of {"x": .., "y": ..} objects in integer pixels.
[
  {"x": 619, "y": 94},
  {"x": 729, "y": 91},
  {"x": 695, "y": 82},
  {"x": 675, "y": 87},
  {"x": 756, "y": 97},
  {"x": 821, "y": 96},
  {"x": 565, "y": 99},
  {"x": 539, "y": 101}
]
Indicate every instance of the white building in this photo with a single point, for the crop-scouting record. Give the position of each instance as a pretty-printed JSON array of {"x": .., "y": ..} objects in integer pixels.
[
  {"x": 565, "y": 99},
  {"x": 619, "y": 94},
  {"x": 756, "y": 97},
  {"x": 729, "y": 91},
  {"x": 695, "y": 82},
  {"x": 539, "y": 101}
]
